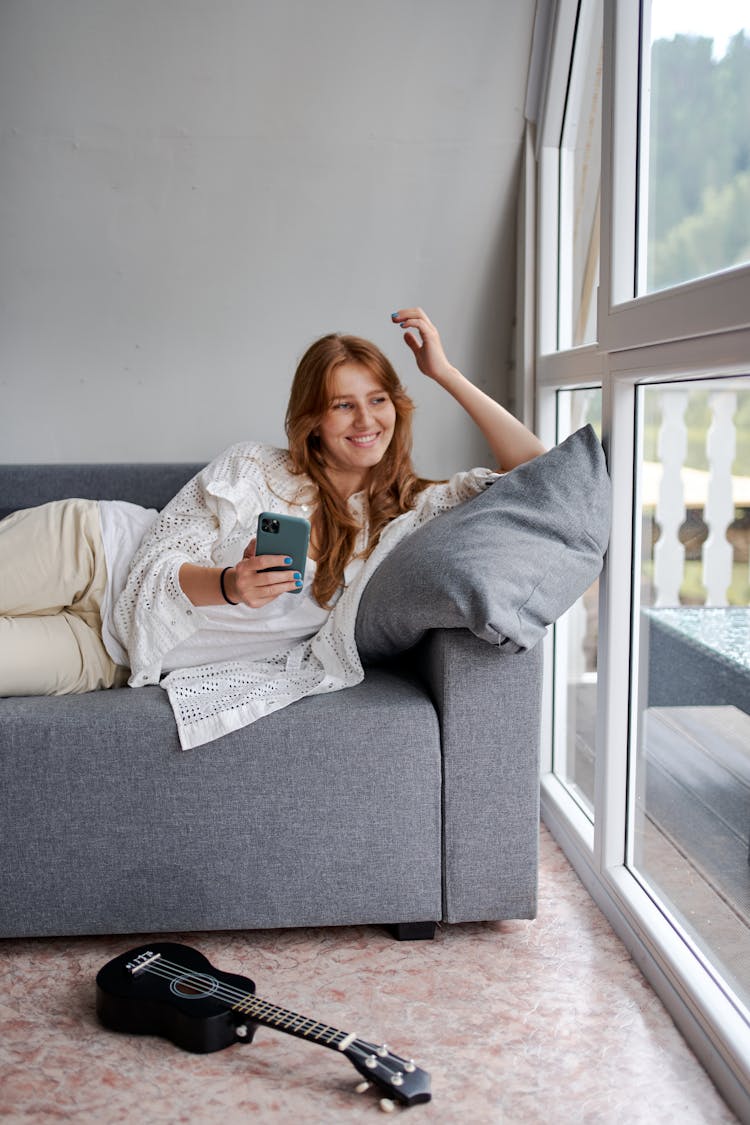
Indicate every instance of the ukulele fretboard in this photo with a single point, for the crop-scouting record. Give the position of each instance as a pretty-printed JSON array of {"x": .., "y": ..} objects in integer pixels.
[{"x": 191, "y": 985}]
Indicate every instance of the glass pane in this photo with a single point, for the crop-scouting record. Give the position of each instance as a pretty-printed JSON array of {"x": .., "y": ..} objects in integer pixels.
[
  {"x": 580, "y": 176},
  {"x": 695, "y": 140},
  {"x": 690, "y": 769},
  {"x": 575, "y": 644}
]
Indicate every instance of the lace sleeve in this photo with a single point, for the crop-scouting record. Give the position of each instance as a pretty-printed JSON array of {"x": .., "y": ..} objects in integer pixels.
[
  {"x": 438, "y": 498},
  {"x": 153, "y": 615}
]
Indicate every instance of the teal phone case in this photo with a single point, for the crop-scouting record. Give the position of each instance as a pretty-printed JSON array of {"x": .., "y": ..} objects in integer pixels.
[{"x": 283, "y": 535}]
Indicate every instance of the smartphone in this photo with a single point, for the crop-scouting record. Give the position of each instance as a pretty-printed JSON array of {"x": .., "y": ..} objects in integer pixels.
[{"x": 283, "y": 535}]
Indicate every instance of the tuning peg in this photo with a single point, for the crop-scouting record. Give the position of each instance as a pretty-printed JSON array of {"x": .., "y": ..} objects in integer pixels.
[
  {"x": 362, "y": 1087},
  {"x": 387, "y": 1105}
]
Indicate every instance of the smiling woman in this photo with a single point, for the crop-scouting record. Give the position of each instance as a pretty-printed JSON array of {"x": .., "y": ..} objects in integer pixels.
[
  {"x": 193, "y": 593},
  {"x": 349, "y": 429}
]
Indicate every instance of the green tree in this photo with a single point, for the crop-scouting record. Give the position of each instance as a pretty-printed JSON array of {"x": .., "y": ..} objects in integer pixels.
[
  {"x": 699, "y": 158},
  {"x": 716, "y": 236}
]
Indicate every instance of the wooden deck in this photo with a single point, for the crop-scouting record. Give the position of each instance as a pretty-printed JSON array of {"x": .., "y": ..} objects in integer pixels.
[{"x": 691, "y": 843}]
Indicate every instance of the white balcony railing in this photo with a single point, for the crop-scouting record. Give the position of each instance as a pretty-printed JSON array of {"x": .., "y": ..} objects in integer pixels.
[
  {"x": 670, "y": 493},
  {"x": 670, "y": 489}
]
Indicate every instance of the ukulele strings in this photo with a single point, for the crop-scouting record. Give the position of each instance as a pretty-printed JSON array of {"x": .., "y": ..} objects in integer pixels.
[{"x": 251, "y": 1005}]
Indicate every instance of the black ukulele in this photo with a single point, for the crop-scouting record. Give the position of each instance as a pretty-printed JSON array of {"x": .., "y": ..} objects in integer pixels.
[{"x": 174, "y": 991}]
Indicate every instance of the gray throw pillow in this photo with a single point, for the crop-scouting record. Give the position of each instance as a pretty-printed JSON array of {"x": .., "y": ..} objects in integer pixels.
[{"x": 505, "y": 564}]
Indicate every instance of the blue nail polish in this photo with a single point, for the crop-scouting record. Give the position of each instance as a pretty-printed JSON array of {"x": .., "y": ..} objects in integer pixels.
[
  {"x": 297, "y": 575},
  {"x": 394, "y": 316},
  {"x": 288, "y": 562},
  {"x": 298, "y": 584}
]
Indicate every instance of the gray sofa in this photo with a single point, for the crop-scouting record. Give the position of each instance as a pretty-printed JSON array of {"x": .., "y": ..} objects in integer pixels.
[{"x": 409, "y": 799}]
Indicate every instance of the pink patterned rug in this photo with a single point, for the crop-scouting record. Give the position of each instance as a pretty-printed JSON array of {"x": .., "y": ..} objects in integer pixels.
[{"x": 517, "y": 1022}]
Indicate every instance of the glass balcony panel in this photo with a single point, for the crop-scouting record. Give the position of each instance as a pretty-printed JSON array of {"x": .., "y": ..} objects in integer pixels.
[{"x": 689, "y": 835}]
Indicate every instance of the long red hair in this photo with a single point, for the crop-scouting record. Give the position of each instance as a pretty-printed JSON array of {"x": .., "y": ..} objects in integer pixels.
[{"x": 393, "y": 485}]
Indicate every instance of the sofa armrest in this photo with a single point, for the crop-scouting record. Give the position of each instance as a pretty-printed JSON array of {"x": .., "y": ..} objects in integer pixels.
[{"x": 489, "y": 709}]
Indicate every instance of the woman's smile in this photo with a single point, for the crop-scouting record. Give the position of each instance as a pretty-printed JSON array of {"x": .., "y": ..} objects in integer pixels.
[{"x": 364, "y": 439}]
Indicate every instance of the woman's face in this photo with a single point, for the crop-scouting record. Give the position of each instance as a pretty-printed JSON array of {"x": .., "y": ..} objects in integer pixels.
[{"x": 357, "y": 427}]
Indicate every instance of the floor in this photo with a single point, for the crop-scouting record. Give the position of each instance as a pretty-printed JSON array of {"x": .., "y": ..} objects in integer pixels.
[{"x": 517, "y": 1022}]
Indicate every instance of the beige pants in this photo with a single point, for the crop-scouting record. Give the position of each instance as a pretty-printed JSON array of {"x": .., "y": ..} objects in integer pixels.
[{"x": 53, "y": 576}]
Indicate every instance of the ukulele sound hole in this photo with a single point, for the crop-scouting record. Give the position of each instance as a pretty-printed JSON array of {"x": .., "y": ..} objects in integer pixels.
[{"x": 194, "y": 986}]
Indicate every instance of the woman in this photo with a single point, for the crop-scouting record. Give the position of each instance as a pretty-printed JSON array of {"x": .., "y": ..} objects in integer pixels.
[{"x": 200, "y": 605}]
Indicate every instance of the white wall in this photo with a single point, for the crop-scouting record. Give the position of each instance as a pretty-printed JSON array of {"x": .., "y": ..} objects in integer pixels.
[{"x": 191, "y": 191}]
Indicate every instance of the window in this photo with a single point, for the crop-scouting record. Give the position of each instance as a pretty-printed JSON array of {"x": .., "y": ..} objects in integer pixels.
[
  {"x": 690, "y": 760},
  {"x": 695, "y": 141},
  {"x": 646, "y": 754},
  {"x": 580, "y": 175},
  {"x": 575, "y": 644}
]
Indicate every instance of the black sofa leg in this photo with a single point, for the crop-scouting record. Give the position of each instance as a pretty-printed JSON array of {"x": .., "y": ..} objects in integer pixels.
[{"x": 413, "y": 931}]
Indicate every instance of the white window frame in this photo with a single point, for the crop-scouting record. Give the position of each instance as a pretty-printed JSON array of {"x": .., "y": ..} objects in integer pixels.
[{"x": 694, "y": 330}]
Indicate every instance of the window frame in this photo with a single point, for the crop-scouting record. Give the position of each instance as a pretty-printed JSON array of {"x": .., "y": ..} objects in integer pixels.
[{"x": 696, "y": 330}]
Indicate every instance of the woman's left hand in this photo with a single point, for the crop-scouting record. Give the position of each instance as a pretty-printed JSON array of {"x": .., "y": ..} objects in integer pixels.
[
  {"x": 510, "y": 441},
  {"x": 426, "y": 346}
]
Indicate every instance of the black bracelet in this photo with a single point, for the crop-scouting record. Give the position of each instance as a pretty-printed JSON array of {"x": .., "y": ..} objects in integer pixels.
[{"x": 223, "y": 591}]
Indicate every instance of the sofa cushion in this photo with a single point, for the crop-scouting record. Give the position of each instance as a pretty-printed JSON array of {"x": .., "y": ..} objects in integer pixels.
[{"x": 504, "y": 564}]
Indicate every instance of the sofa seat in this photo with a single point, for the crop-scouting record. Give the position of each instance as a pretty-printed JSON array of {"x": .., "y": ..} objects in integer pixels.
[{"x": 109, "y": 827}]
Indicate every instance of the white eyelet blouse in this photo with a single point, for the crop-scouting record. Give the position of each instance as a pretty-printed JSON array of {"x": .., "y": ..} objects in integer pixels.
[{"x": 210, "y": 522}]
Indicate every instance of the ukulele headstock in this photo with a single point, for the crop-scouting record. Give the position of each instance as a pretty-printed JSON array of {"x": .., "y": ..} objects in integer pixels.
[{"x": 395, "y": 1077}]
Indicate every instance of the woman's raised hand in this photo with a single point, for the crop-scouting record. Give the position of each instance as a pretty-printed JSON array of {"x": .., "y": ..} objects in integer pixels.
[
  {"x": 251, "y": 582},
  {"x": 510, "y": 441},
  {"x": 426, "y": 344}
]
